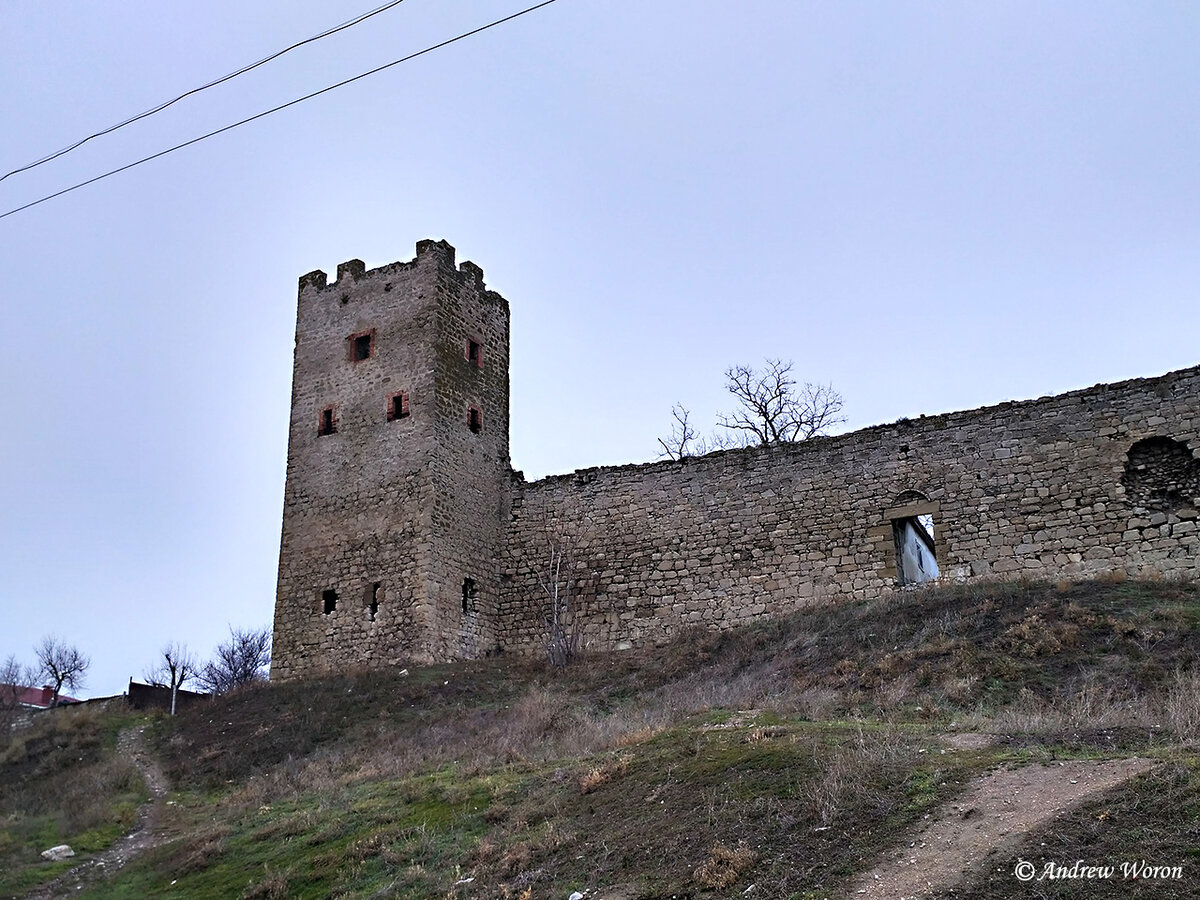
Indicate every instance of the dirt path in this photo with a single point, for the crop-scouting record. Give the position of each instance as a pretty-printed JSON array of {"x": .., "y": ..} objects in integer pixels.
[
  {"x": 995, "y": 813},
  {"x": 131, "y": 744}
]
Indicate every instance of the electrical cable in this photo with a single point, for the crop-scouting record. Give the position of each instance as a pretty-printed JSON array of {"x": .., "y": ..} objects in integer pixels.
[
  {"x": 221, "y": 80},
  {"x": 276, "y": 109}
]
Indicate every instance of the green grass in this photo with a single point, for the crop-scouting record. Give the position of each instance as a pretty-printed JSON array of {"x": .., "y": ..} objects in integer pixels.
[
  {"x": 344, "y": 842},
  {"x": 61, "y": 782},
  {"x": 810, "y": 742}
]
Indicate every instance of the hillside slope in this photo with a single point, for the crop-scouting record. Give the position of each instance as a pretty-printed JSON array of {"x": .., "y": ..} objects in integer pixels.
[{"x": 790, "y": 755}]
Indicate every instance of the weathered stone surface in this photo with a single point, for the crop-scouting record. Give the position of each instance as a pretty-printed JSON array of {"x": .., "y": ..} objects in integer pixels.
[
  {"x": 1080, "y": 484},
  {"x": 399, "y": 511}
]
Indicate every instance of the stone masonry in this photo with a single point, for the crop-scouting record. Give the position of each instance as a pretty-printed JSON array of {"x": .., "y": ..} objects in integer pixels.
[
  {"x": 397, "y": 479},
  {"x": 435, "y": 549}
]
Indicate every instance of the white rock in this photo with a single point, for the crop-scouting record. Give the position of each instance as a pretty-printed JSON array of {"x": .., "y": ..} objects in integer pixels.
[
  {"x": 61, "y": 852},
  {"x": 576, "y": 896}
]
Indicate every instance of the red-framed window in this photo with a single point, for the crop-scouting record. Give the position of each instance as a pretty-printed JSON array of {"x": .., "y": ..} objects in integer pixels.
[
  {"x": 327, "y": 421},
  {"x": 397, "y": 406},
  {"x": 360, "y": 346},
  {"x": 473, "y": 352}
]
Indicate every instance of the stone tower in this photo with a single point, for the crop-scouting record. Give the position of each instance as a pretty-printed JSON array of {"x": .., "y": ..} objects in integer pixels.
[{"x": 397, "y": 474}]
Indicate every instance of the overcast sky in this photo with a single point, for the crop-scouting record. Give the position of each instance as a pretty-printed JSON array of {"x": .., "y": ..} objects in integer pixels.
[{"x": 933, "y": 206}]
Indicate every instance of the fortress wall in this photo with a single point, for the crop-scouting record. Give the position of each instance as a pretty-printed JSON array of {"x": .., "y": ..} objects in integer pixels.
[{"x": 1035, "y": 488}]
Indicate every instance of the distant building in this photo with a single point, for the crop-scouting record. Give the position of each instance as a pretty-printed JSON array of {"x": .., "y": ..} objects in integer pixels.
[
  {"x": 33, "y": 698},
  {"x": 157, "y": 696}
]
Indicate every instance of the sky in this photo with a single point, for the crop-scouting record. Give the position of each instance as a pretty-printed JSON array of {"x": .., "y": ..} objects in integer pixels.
[{"x": 931, "y": 206}]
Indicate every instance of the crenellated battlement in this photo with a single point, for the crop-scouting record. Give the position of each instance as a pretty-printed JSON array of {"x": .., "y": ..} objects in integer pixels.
[{"x": 429, "y": 252}]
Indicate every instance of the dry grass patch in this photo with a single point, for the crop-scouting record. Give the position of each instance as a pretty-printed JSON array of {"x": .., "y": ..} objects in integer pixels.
[
  {"x": 640, "y": 736},
  {"x": 724, "y": 866},
  {"x": 1182, "y": 705},
  {"x": 611, "y": 770}
]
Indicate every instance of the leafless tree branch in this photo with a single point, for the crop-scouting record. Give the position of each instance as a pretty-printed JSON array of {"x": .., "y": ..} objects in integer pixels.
[
  {"x": 175, "y": 667},
  {"x": 682, "y": 439},
  {"x": 774, "y": 408},
  {"x": 242, "y": 660},
  {"x": 14, "y": 678},
  {"x": 61, "y": 664},
  {"x": 558, "y": 579}
]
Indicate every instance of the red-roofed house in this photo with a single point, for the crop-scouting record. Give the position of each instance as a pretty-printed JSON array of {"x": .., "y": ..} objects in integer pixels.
[{"x": 32, "y": 698}]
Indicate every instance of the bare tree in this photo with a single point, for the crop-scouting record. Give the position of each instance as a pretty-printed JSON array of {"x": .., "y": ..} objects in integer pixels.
[
  {"x": 14, "y": 678},
  {"x": 61, "y": 664},
  {"x": 682, "y": 441},
  {"x": 175, "y": 667},
  {"x": 562, "y": 622},
  {"x": 555, "y": 569},
  {"x": 774, "y": 408},
  {"x": 13, "y": 675},
  {"x": 244, "y": 659}
]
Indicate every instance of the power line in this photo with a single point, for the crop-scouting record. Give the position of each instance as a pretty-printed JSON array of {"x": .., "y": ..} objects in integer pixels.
[
  {"x": 276, "y": 109},
  {"x": 221, "y": 80}
]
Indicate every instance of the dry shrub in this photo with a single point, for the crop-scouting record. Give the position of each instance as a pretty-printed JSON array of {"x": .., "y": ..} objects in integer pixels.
[
  {"x": 516, "y": 858},
  {"x": 273, "y": 887},
  {"x": 368, "y": 847},
  {"x": 766, "y": 733},
  {"x": 724, "y": 866},
  {"x": 844, "y": 781},
  {"x": 610, "y": 771},
  {"x": 1081, "y": 615},
  {"x": 1034, "y": 636},
  {"x": 197, "y": 851},
  {"x": 640, "y": 735},
  {"x": 813, "y": 704},
  {"x": 1095, "y": 704},
  {"x": 960, "y": 689},
  {"x": 893, "y": 694},
  {"x": 1183, "y": 705},
  {"x": 486, "y": 851}
]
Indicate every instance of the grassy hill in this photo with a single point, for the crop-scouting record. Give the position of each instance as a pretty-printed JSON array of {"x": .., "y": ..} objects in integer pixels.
[{"x": 787, "y": 755}]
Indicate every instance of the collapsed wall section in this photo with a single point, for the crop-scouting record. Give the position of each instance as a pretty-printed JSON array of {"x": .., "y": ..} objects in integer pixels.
[{"x": 1099, "y": 480}]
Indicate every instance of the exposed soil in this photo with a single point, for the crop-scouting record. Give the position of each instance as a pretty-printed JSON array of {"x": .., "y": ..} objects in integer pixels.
[
  {"x": 995, "y": 813},
  {"x": 131, "y": 744},
  {"x": 969, "y": 740}
]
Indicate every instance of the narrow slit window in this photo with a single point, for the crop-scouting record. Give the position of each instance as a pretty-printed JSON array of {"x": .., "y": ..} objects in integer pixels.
[
  {"x": 362, "y": 346},
  {"x": 475, "y": 419},
  {"x": 328, "y": 601},
  {"x": 398, "y": 406},
  {"x": 475, "y": 353},
  {"x": 326, "y": 424},
  {"x": 373, "y": 599},
  {"x": 469, "y": 595}
]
